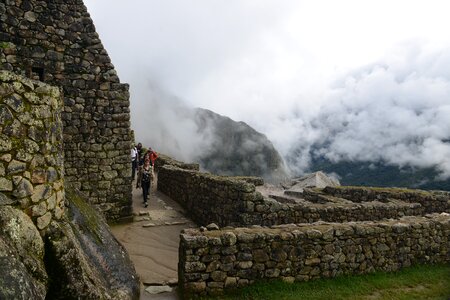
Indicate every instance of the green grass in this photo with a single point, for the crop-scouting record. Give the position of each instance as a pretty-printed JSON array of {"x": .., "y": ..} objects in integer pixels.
[{"x": 419, "y": 282}]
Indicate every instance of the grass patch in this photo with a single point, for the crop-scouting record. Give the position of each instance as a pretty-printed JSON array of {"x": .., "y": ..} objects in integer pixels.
[{"x": 419, "y": 282}]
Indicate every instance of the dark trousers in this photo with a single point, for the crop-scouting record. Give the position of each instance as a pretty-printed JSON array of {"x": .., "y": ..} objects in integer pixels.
[
  {"x": 133, "y": 169},
  {"x": 146, "y": 189}
]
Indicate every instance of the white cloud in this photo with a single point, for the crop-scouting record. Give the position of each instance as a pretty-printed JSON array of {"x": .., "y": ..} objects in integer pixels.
[{"x": 302, "y": 72}]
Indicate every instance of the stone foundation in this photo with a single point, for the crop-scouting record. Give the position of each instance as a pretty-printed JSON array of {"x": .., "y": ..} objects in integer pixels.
[{"x": 212, "y": 261}]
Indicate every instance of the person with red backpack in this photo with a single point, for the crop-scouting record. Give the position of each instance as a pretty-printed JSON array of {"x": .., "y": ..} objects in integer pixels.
[
  {"x": 146, "y": 180},
  {"x": 153, "y": 156}
]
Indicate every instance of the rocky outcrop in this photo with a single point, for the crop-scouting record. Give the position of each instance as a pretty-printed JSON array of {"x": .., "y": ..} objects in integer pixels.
[
  {"x": 22, "y": 269},
  {"x": 317, "y": 179},
  {"x": 83, "y": 258},
  {"x": 237, "y": 149},
  {"x": 78, "y": 257}
]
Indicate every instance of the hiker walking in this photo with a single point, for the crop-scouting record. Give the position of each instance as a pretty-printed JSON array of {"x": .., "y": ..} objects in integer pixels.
[
  {"x": 140, "y": 153},
  {"x": 153, "y": 156},
  {"x": 146, "y": 180},
  {"x": 140, "y": 164},
  {"x": 134, "y": 162}
]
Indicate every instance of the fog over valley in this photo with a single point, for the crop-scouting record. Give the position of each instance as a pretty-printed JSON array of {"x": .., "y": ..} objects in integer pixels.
[{"x": 341, "y": 82}]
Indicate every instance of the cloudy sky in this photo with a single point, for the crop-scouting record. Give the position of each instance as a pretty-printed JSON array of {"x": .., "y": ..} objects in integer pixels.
[{"x": 354, "y": 80}]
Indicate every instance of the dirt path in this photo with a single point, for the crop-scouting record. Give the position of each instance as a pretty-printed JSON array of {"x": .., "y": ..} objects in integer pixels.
[{"x": 152, "y": 240}]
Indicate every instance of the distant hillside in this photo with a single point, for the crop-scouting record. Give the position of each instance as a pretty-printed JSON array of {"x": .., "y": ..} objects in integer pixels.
[
  {"x": 237, "y": 148},
  {"x": 380, "y": 174}
]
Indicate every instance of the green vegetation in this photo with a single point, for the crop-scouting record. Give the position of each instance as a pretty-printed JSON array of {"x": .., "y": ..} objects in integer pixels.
[
  {"x": 419, "y": 282},
  {"x": 4, "y": 45}
]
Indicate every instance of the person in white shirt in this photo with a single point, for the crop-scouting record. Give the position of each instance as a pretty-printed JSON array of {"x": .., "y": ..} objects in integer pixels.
[{"x": 134, "y": 161}]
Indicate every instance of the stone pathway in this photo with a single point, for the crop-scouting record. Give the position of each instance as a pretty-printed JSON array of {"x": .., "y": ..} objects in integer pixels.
[{"x": 152, "y": 241}]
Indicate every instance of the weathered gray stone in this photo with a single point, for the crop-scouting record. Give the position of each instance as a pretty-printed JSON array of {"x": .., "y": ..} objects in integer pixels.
[
  {"x": 41, "y": 192},
  {"x": 39, "y": 209},
  {"x": 44, "y": 221},
  {"x": 94, "y": 270},
  {"x": 5, "y": 143},
  {"x": 31, "y": 146},
  {"x": 6, "y": 157},
  {"x": 39, "y": 176},
  {"x": 213, "y": 266},
  {"x": 195, "y": 266},
  {"x": 6, "y": 185},
  {"x": 228, "y": 239},
  {"x": 260, "y": 255},
  {"x": 5, "y": 115},
  {"x": 245, "y": 264},
  {"x": 158, "y": 289},
  {"x": 15, "y": 167},
  {"x": 23, "y": 188},
  {"x": 5, "y": 200},
  {"x": 218, "y": 275},
  {"x": 230, "y": 282},
  {"x": 21, "y": 257},
  {"x": 15, "y": 102},
  {"x": 212, "y": 226},
  {"x": 51, "y": 202}
]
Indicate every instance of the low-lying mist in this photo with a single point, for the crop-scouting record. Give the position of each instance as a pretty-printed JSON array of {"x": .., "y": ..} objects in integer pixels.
[
  {"x": 395, "y": 111},
  {"x": 219, "y": 144}
]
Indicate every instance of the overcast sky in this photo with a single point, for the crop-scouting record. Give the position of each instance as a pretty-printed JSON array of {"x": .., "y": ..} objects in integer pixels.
[{"x": 364, "y": 80}]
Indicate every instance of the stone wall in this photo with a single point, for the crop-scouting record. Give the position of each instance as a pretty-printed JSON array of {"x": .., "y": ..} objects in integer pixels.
[
  {"x": 230, "y": 201},
  {"x": 31, "y": 154},
  {"x": 207, "y": 198},
  {"x": 52, "y": 243},
  {"x": 55, "y": 41},
  {"x": 164, "y": 160},
  {"x": 211, "y": 261},
  {"x": 430, "y": 201}
]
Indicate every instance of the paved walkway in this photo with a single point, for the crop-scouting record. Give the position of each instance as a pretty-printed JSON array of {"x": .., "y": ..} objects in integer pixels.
[{"x": 152, "y": 240}]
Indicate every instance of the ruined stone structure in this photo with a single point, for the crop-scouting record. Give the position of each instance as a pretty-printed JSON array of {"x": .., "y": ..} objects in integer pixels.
[
  {"x": 306, "y": 235},
  {"x": 229, "y": 201},
  {"x": 55, "y": 42},
  {"x": 52, "y": 243},
  {"x": 213, "y": 260}
]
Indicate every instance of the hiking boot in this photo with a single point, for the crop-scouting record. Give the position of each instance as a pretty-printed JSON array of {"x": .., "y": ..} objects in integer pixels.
[{"x": 145, "y": 204}]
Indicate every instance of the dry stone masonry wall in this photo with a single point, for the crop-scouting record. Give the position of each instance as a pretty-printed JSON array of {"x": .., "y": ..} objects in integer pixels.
[
  {"x": 230, "y": 201},
  {"x": 55, "y": 41},
  {"x": 214, "y": 260},
  {"x": 207, "y": 198},
  {"x": 52, "y": 243},
  {"x": 317, "y": 233},
  {"x": 31, "y": 154}
]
